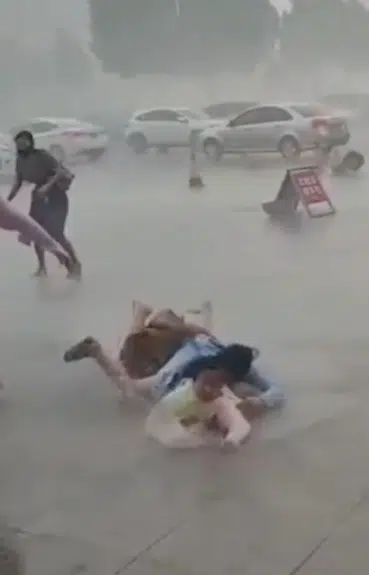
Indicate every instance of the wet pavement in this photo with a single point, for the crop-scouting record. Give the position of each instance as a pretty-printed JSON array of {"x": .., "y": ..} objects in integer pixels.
[{"x": 89, "y": 493}]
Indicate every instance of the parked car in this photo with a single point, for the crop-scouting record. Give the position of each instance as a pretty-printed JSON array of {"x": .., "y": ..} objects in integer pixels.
[
  {"x": 164, "y": 128},
  {"x": 67, "y": 138},
  {"x": 285, "y": 128},
  {"x": 228, "y": 109},
  {"x": 114, "y": 123},
  {"x": 7, "y": 158}
]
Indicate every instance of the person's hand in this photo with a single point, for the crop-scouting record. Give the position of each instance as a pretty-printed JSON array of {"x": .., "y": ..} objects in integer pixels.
[
  {"x": 42, "y": 190},
  {"x": 252, "y": 407},
  {"x": 229, "y": 444}
]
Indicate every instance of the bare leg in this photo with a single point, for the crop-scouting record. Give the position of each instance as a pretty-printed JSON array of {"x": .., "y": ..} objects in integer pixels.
[
  {"x": 75, "y": 271},
  {"x": 140, "y": 313},
  {"x": 113, "y": 369},
  {"x": 41, "y": 270}
]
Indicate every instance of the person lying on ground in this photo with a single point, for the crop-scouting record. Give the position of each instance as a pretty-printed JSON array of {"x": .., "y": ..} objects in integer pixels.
[
  {"x": 188, "y": 349},
  {"x": 12, "y": 219},
  {"x": 192, "y": 413},
  {"x": 199, "y": 413}
]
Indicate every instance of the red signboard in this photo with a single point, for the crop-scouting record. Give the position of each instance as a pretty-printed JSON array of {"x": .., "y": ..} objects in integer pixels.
[
  {"x": 311, "y": 190},
  {"x": 301, "y": 185}
]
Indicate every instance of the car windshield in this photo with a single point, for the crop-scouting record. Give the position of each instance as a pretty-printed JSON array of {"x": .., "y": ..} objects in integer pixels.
[
  {"x": 194, "y": 115},
  {"x": 311, "y": 110}
]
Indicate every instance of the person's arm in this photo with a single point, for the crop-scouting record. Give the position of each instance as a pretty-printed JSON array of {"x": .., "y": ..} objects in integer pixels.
[
  {"x": 59, "y": 172},
  {"x": 230, "y": 418},
  {"x": 17, "y": 184},
  {"x": 270, "y": 393}
]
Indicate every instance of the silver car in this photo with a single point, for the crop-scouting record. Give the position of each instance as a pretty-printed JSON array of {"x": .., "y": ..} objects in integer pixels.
[{"x": 287, "y": 128}]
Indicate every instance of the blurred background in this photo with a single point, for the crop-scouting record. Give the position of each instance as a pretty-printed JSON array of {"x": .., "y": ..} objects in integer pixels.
[{"x": 107, "y": 58}]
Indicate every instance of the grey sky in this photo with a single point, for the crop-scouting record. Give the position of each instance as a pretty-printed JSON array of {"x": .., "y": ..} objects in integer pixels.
[{"x": 24, "y": 16}]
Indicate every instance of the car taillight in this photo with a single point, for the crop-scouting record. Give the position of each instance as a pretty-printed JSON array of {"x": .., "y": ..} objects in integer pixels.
[{"x": 320, "y": 126}]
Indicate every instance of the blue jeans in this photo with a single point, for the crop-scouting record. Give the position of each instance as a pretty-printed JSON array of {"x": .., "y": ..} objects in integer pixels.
[{"x": 170, "y": 375}]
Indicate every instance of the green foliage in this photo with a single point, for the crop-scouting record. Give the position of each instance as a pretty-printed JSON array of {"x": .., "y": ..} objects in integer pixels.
[{"x": 142, "y": 36}]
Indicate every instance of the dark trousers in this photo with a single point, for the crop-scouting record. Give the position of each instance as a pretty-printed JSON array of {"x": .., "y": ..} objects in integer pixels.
[{"x": 52, "y": 217}]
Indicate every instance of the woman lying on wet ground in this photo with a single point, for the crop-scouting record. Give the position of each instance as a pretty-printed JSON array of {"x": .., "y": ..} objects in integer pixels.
[{"x": 171, "y": 359}]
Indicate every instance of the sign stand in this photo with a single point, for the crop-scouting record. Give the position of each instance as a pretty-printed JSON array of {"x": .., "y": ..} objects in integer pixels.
[{"x": 301, "y": 185}]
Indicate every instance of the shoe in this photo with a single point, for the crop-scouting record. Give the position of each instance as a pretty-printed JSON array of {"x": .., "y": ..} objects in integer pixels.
[
  {"x": 81, "y": 350},
  {"x": 75, "y": 271},
  {"x": 40, "y": 273}
]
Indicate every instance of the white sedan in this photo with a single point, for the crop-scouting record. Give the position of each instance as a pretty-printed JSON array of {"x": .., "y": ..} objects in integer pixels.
[
  {"x": 67, "y": 139},
  {"x": 7, "y": 158},
  {"x": 164, "y": 128}
]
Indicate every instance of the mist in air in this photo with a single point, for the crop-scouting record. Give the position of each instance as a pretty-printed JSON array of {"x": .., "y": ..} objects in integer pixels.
[{"x": 124, "y": 55}]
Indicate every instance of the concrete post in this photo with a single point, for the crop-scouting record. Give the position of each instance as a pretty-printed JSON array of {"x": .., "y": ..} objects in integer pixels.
[{"x": 195, "y": 179}]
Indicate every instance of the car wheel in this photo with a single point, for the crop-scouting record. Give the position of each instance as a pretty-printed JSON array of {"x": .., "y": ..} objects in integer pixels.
[
  {"x": 213, "y": 150},
  {"x": 289, "y": 148},
  {"x": 138, "y": 143},
  {"x": 353, "y": 161},
  {"x": 58, "y": 152}
]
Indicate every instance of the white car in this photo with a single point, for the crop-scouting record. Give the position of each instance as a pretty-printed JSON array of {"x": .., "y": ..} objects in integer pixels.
[
  {"x": 7, "y": 158},
  {"x": 164, "y": 128},
  {"x": 67, "y": 139}
]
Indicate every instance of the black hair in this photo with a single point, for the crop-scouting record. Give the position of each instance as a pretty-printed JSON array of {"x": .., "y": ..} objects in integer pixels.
[
  {"x": 25, "y": 134},
  {"x": 235, "y": 359}
]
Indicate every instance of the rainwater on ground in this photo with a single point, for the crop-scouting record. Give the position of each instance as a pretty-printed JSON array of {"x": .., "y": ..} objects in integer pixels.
[{"x": 88, "y": 491}]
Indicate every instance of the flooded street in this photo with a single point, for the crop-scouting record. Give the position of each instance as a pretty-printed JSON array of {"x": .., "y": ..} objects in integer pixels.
[{"x": 88, "y": 491}]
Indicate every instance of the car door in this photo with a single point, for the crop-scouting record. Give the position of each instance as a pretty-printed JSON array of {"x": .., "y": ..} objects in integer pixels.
[
  {"x": 243, "y": 132},
  {"x": 150, "y": 125},
  {"x": 274, "y": 123},
  {"x": 177, "y": 128},
  {"x": 162, "y": 127}
]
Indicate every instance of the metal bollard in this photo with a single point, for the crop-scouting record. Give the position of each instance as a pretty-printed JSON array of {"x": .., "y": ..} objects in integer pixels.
[{"x": 195, "y": 179}]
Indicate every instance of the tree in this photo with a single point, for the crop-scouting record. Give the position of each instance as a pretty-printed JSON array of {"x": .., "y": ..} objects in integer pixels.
[
  {"x": 142, "y": 36},
  {"x": 71, "y": 64},
  {"x": 310, "y": 32},
  {"x": 322, "y": 32}
]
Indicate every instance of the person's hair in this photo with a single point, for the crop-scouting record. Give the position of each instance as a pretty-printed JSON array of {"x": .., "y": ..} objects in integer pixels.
[
  {"x": 25, "y": 134},
  {"x": 236, "y": 359}
]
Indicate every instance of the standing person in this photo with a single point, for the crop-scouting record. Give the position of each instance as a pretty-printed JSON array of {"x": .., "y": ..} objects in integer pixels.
[{"x": 49, "y": 200}]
